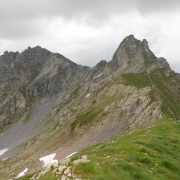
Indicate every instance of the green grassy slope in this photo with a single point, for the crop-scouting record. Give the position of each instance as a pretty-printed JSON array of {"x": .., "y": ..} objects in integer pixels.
[{"x": 150, "y": 153}]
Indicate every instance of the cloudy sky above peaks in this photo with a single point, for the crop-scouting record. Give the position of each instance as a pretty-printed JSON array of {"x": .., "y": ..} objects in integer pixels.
[{"x": 89, "y": 31}]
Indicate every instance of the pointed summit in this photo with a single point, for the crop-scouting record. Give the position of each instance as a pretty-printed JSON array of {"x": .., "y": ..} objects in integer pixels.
[
  {"x": 130, "y": 38},
  {"x": 132, "y": 55}
]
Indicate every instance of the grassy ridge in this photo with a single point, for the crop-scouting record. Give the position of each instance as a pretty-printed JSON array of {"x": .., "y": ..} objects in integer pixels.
[{"x": 150, "y": 153}]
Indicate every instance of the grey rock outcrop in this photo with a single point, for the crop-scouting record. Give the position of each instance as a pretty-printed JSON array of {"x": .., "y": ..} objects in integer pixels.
[
  {"x": 61, "y": 171},
  {"x": 132, "y": 55},
  {"x": 32, "y": 74}
]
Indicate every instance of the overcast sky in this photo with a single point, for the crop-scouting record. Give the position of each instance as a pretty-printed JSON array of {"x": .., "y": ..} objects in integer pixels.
[{"x": 87, "y": 31}]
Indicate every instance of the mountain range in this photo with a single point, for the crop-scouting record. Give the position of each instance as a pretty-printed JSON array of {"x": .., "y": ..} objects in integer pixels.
[{"x": 50, "y": 104}]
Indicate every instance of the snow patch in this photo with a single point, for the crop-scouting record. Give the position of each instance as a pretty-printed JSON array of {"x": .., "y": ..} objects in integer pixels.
[
  {"x": 22, "y": 173},
  {"x": 3, "y": 151},
  {"x": 70, "y": 155},
  {"x": 88, "y": 95},
  {"x": 5, "y": 159},
  {"x": 49, "y": 159}
]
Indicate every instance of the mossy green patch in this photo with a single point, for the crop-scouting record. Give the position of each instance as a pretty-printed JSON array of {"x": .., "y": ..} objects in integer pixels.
[
  {"x": 87, "y": 117},
  {"x": 138, "y": 80}
]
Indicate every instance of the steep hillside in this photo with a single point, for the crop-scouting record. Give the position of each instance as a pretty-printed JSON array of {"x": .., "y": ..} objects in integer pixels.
[
  {"x": 33, "y": 82},
  {"x": 35, "y": 72},
  {"x": 150, "y": 153},
  {"x": 50, "y": 104}
]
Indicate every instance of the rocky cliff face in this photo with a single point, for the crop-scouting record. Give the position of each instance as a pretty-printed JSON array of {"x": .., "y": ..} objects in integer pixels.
[
  {"x": 50, "y": 100},
  {"x": 35, "y": 72}
]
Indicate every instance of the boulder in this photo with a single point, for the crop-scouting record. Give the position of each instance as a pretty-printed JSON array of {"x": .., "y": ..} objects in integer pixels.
[
  {"x": 67, "y": 171},
  {"x": 61, "y": 168},
  {"x": 63, "y": 177}
]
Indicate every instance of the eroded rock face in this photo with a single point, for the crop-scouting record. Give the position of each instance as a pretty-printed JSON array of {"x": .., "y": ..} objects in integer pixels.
[
  {"x": 12, "y": 108},
  {"x": 36, "y": 72},
  {"x": 163, "y": 64},
  {"x": 97, "y": 73}
]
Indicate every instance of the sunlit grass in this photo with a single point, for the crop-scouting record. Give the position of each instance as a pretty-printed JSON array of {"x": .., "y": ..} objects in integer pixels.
[{"x": 150, "y": 153}]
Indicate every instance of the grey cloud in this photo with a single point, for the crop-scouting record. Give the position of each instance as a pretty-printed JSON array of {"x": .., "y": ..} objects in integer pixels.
[
  {"x": 24, "y": 10},
  {"x": 76, "y": 8},
  {"x": 19, "y": 30},
  {"x": 158, "y": 6},
  {"x": 17, "y": 16}
]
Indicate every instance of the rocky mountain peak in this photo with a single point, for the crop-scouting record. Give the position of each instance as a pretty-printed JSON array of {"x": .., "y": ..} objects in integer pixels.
[
  {"x": 132, "y": 41},
  {"x": 8, "y": 57},
  {"x": 36, "y": 52},
  {"x": 36, "y": 48},
  {"x": 132, "y": 55},
  {"x": 102, "y": 63},
  {"x": 130, "y": 38}
]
